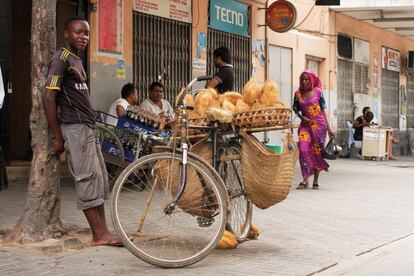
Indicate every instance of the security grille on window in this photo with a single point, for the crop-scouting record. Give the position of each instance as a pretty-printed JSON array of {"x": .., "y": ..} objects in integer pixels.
[
  {"x": 410, "y": 102},
  {"x": 345, "y": 93},
  {"x": 390, "y": 98},
  {"x": 361, "y": 78}
]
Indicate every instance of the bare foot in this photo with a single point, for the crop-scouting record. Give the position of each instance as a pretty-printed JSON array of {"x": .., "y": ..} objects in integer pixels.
[
  {"x": 108, "y": 239},
  {"x": 392, "y": 158}
]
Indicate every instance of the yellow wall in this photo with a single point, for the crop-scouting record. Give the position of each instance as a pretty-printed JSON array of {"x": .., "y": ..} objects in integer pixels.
[{"x": 127, "y": 36}]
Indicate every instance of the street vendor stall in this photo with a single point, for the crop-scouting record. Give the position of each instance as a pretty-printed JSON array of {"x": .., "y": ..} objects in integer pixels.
[{"x": 196, "y": 194}]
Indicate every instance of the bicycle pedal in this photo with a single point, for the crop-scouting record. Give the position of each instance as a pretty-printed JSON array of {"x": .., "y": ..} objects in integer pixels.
[{"x": 205, "y": 222}]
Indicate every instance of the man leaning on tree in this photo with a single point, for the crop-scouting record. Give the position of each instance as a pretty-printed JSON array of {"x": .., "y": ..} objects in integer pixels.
[{"x": 73, "y": 128}]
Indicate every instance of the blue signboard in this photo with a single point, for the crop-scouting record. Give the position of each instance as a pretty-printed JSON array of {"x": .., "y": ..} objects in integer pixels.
[{"x": 229, "y": 16}]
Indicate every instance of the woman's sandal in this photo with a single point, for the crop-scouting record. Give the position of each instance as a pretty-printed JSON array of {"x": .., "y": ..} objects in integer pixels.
[
  {"x": 302, "y": 186},
  {"x": 315, "y": 186}
]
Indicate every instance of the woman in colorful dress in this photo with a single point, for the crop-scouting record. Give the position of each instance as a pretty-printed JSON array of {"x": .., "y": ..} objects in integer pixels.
[{"x": 309, "y": 105}]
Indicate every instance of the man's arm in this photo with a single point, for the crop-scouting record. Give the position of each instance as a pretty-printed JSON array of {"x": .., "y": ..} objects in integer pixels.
[
  {"x": 120, "y": 111},
  {"x": 358, "y": 122},
  {"x": 51, "y": 114},
  {"x": 57, "y": 68},
  {"x": 213, "y": 83}
]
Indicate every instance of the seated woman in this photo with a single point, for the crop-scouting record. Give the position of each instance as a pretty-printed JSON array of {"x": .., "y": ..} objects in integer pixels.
[{"x": 360, "y": 123}]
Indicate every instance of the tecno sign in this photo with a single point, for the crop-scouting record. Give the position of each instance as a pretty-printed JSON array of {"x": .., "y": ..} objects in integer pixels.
[{"x": 229, "y": 16}]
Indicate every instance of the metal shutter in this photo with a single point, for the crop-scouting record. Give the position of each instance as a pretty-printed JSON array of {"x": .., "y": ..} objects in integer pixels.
[
  {"x": 410, "y": 102},
  {"x": 240, "y": 48},
  {"x": 390, "y": 98},
  {"x": 162, "y": 48},
  {"x": 345, "y": 92}
]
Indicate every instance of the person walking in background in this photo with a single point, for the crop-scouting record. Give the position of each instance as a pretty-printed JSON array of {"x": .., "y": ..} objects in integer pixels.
[
  {"x": 309, "y": 105},
  {"x": 129, "y": 97},
  {"x": 223, "y": 80}
]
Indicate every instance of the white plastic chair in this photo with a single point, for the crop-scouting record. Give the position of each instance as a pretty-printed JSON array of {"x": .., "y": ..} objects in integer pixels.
[{"x": 351, "y": 141}]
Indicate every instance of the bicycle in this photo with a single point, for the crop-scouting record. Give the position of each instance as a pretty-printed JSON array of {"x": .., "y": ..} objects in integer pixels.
[{"x": 187, "y": 203}]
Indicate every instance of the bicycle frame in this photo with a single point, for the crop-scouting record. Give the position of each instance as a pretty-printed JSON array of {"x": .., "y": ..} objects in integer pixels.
[{"x": 184, "y": 143}]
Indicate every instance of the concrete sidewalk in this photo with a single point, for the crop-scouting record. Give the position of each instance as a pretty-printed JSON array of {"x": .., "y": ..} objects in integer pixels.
[
  {"x": 361, "y": 205},
  {"x": 395, "y": 257}
]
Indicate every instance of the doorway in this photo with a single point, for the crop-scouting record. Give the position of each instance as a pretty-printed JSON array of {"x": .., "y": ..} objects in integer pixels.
[{"x": 280, "y": 70}]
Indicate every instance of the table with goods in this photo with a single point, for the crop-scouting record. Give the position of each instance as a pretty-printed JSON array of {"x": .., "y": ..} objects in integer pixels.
[{"x": 172, "y": 207}]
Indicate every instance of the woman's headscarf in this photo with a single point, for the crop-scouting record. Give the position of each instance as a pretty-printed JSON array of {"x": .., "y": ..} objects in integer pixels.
[{"x": 314, "y": 81}]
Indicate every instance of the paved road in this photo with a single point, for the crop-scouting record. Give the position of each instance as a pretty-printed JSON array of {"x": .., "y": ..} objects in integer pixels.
[{"x": 361, "y": 205}]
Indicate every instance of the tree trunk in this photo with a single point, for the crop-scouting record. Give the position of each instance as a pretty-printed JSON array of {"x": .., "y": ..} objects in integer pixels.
[{"x": 41, "y": 217}]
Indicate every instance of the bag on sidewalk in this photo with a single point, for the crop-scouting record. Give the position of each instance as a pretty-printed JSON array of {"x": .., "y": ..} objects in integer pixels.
[{"x": 329, "y": 152}]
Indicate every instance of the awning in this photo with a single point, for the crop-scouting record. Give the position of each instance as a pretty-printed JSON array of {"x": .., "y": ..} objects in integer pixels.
[{"x": 395, "y": 16}]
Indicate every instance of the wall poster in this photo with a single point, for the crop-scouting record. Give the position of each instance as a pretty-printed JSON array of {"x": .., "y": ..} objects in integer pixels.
[{"x": 110, "y": 26}]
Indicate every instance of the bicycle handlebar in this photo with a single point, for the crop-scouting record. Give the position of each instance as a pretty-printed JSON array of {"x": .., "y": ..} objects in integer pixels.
[
  {"x": 187, "y": 89},
  {"x": 204, "y": 78}
]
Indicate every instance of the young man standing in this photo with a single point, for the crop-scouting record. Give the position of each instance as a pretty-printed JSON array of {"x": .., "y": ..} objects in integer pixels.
[
  {"x": 129, "y": 97},
  {"x": 223, "y": 80},
  {"x": 73, "y": 128}
]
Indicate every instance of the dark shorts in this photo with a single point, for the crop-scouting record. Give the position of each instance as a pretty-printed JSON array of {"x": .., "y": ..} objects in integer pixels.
[{"x": 82, "y": 144}]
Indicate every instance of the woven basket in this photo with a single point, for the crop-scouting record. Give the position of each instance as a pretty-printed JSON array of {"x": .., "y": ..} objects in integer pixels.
[
  {"x": 267, "y": 176},
  {"x": 192, "y": 131},
  {"x": 266, "y": 117},
  {"x": 193, "y": 199}
]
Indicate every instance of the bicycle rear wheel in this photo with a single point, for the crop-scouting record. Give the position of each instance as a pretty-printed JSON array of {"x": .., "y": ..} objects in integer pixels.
[
  {"x": 140, "y": 217},
  {"x": 241, "y": 208}
]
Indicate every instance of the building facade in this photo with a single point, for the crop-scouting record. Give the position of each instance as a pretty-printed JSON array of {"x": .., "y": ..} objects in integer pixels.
[{"x": 359, "y": 63}]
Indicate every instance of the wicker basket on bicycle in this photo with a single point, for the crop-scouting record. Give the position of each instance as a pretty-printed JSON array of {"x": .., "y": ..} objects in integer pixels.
[
  {"x": 266, "y": 117},
  {"x": 194, "y": 200},
  {"x": 267, "y": 176},
  {"x": 197, "y": 121}
]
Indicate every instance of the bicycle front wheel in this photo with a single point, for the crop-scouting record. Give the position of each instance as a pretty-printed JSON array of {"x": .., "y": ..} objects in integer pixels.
[{"x": 154, "y": 232}]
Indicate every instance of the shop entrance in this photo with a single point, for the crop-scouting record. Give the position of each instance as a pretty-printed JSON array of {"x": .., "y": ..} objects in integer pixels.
[
  {"x": 280, "y": 70},
  {"x": 162, "y": 52}
]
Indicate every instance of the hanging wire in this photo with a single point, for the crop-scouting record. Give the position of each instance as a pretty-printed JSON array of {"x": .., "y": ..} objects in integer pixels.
[{"x": 306, "y": 17}]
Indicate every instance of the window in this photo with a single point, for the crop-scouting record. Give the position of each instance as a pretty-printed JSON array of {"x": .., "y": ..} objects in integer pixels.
[
  {"x": 345, "y": 46},
  {"x": 313, "y": 65},
  {"x": 361, "y": 78}
]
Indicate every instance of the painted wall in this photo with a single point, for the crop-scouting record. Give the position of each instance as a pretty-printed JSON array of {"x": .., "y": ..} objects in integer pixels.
[
  {"x": 200, "y": 24},
  {"x": 377, "y": 38},
  {"x": 311, "y": 36},
  {"x": 104, "y": 83}
]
